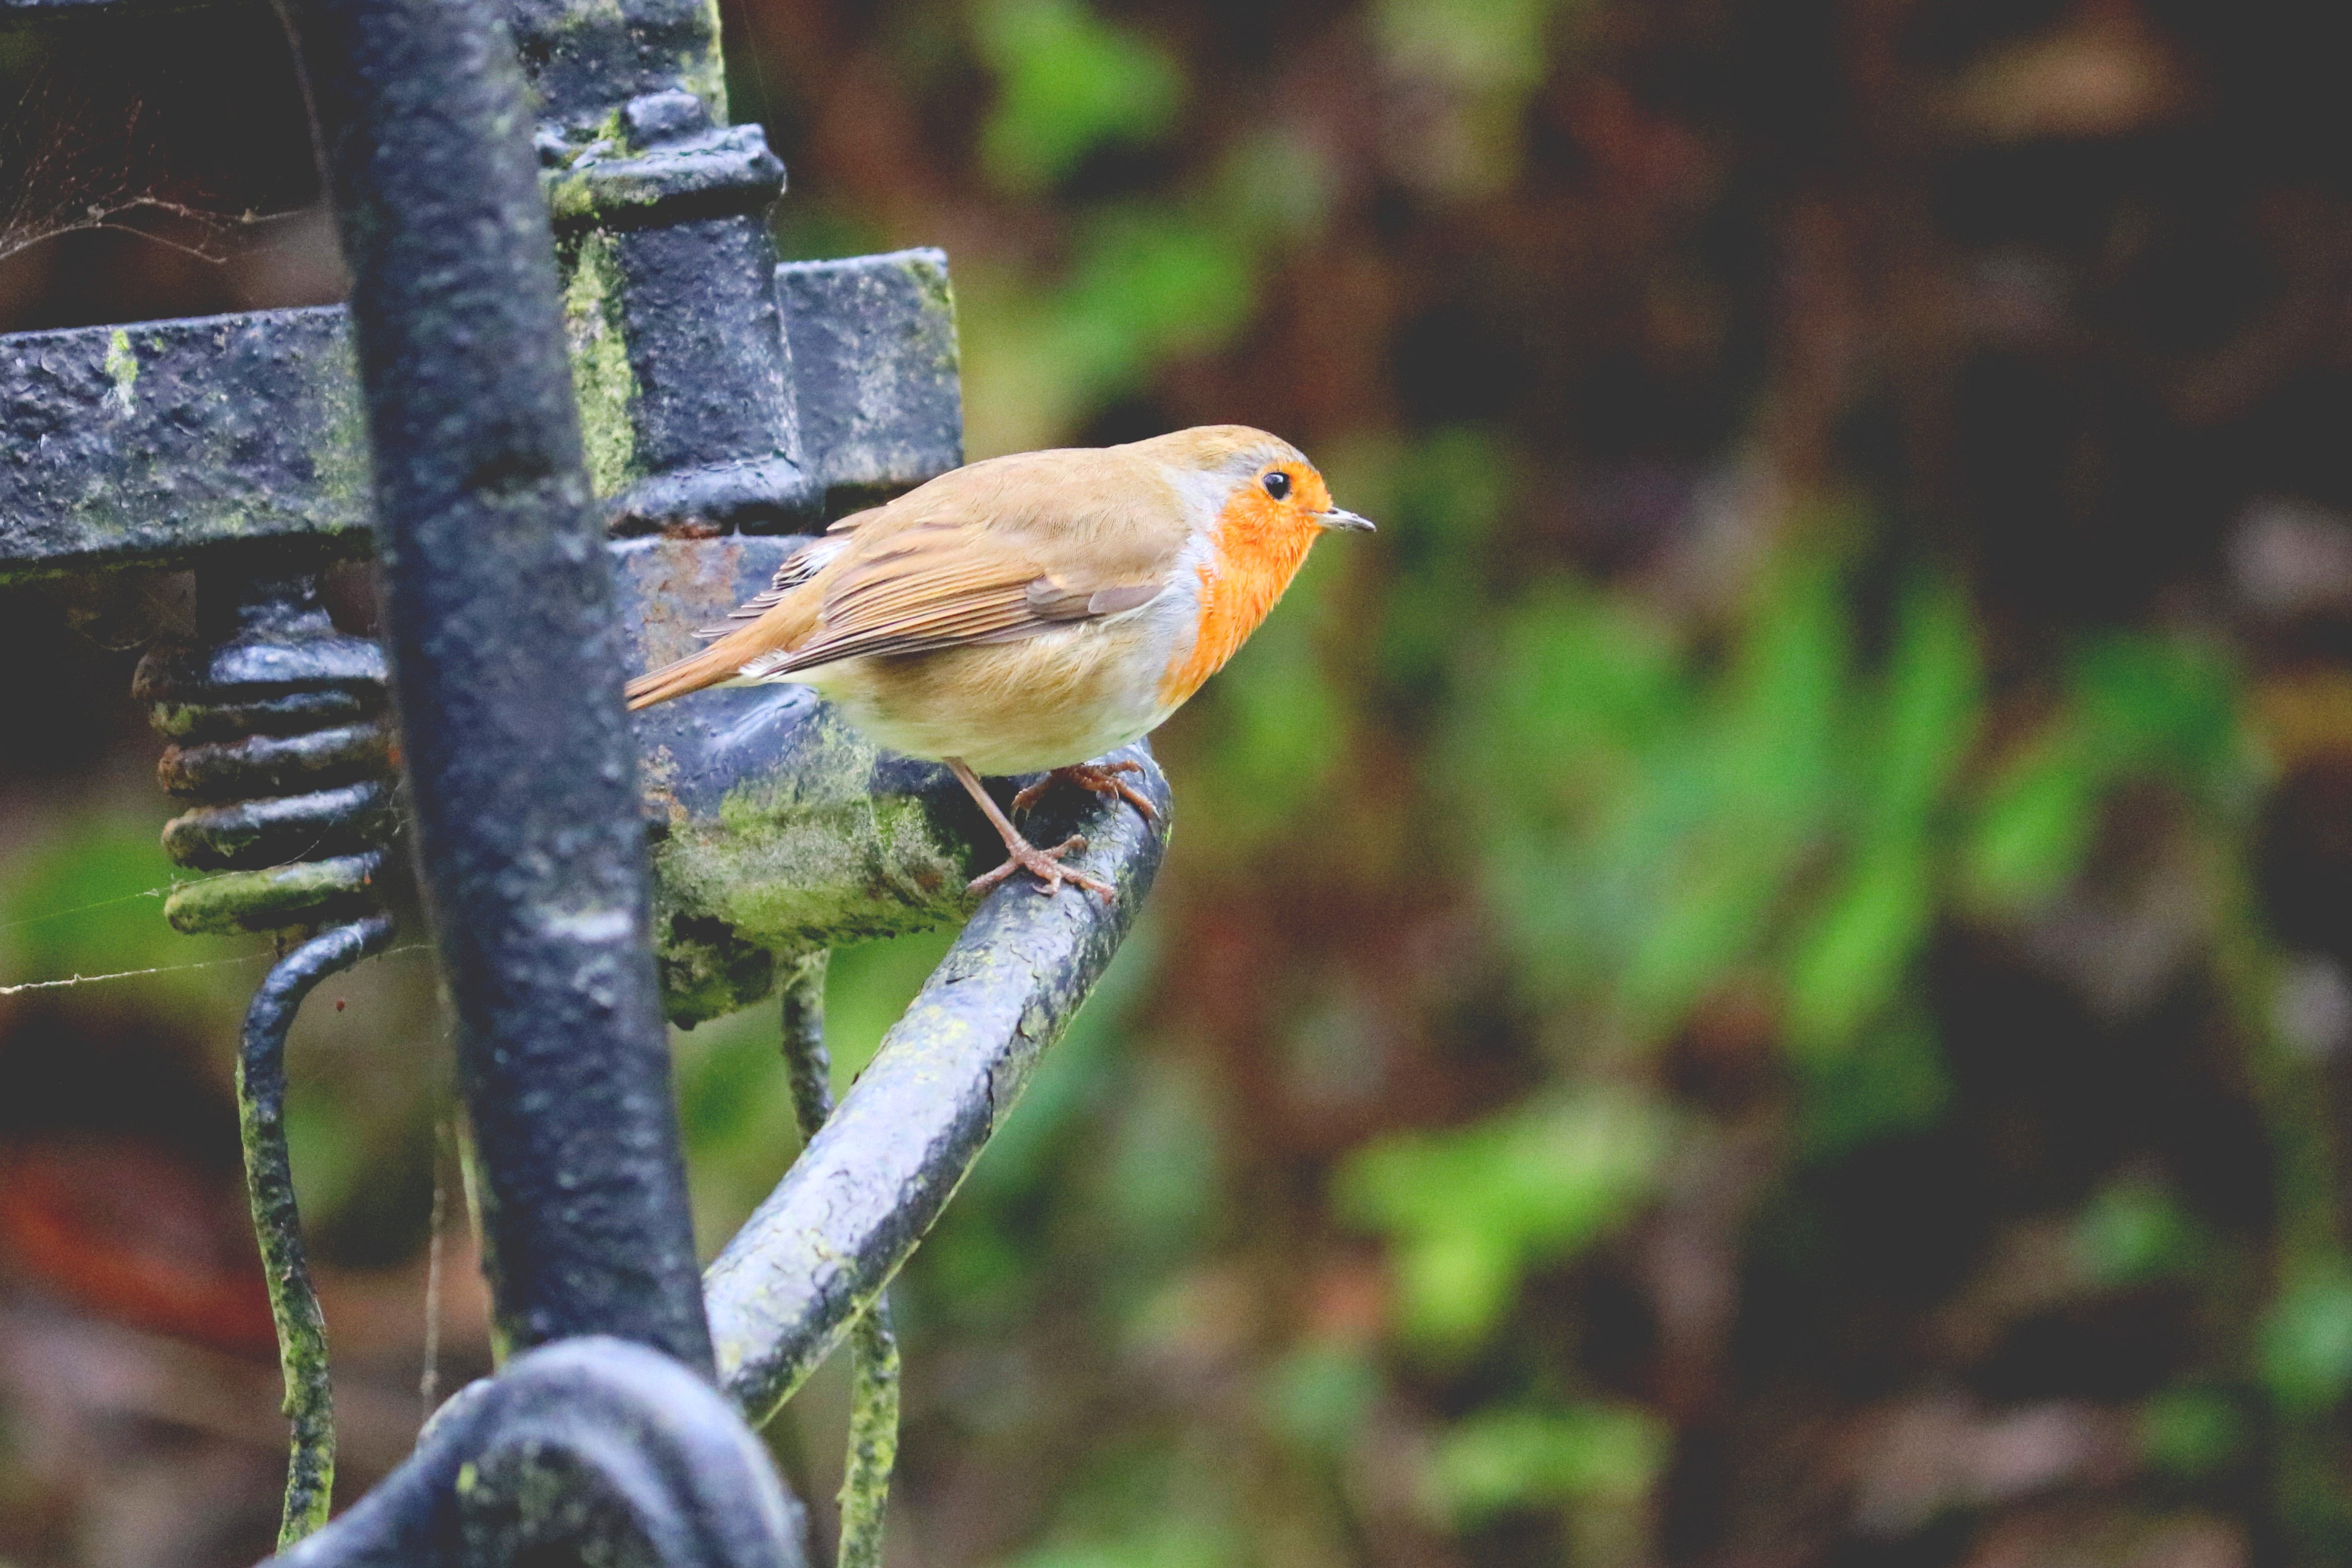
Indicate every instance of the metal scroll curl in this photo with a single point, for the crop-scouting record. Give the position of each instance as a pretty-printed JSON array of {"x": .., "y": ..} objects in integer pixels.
[{"x": 591, "y": 1449}]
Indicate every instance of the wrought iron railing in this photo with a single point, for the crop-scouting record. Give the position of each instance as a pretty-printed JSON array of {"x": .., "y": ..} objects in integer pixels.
[{"x": 566, "y": 327}]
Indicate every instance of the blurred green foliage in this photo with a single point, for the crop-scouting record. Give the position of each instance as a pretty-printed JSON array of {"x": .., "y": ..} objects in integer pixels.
[
  {"x": 2193, "y": 1432},
  {"x": 2307, "y": 1342},
  {"x": 1068, "y": 82},
  {"x": 1472, "y": 1211},
  {"x": 88, "y": 900},
  {"x": 2134, "y": 1231},
  {"x": 1685, "y": 816},
  {"x": 2136, "y": 707},
  {"x": 1513, "y": 1459}
]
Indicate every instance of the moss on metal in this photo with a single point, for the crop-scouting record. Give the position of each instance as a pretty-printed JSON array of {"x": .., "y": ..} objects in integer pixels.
[
  {"x": 123, "y": 366},
  {"x": 271, "y": 899},
  {"x": 601, "y": 380},
  {"x": 929, "y": 272},
  {"x": 793, "y": 861},
  {"x": 294, "y": 1305},
  {"x": 874, "y": 1364},
  {"x": 874, "y": 1376},
  {"x": 702, "y": 68},
  {"x": 817, "y": 1254}
]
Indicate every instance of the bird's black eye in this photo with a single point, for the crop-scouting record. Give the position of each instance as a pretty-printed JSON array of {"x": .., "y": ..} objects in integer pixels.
[{"x": 1278, "y": 484}]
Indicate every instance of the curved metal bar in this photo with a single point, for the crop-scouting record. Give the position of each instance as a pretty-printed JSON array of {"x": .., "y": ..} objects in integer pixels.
[
  {"x": 873, "y": 1344},
  {"x": 278, "y": 1221},
  {"x": 506, "y": 649},
  {"x": 808, "y": 1065},
  {"x": 827, "y": 1240},
  {"x": 592, "y": 1450}
]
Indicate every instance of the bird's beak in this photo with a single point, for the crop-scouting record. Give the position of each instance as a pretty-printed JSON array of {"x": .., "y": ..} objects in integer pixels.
[{"x": 1336, "y": 517}]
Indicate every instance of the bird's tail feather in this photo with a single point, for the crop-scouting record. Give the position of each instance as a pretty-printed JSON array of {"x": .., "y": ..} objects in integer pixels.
[
  {"x": 713, "y": 665},
  {"x": 761, "y": 642}
]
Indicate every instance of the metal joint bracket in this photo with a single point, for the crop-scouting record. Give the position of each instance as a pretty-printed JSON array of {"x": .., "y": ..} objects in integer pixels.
[{"x": 691, "y": 170}]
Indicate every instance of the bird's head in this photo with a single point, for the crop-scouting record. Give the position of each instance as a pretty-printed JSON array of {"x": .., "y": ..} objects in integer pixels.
[{"x": 1257, "y": 493}]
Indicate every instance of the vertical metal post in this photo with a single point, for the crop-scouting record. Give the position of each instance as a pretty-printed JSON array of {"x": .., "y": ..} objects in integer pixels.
[{"x": 507, "y": 672}]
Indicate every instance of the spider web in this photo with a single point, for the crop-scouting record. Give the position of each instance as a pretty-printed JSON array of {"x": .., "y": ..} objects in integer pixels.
[{"x": 186, "y": 129}]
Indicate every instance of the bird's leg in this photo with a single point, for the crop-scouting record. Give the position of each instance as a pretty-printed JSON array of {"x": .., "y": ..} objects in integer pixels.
[
  {"x": 1046, "y": 864},
  {"x": 1100, "y": 777}
]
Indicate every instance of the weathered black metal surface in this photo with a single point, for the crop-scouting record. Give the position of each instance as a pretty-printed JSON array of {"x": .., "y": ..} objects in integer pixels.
[
  {"x": 171, "y": 440},
  {"x": 156, "y": 441},
  {"x": 276, "y": 763},
  {"x": 678, "y": 351},
  {"x": 715, "y": 426},
  {"x": 507, "y": 663},
  {"x": 669, "y": 164},
  {"x": 875, "y": 363},
  {"x": 278, "y": 724},
  {"x": 299, "y": 813},
  {"x": 846, "y": 1215},
  {"x": 585, "y": 56},
  {"x": 594, "y": 1450}
]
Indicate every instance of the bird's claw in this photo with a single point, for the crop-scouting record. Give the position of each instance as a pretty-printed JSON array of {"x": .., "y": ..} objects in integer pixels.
[
  {"x": 1102, "y": 778},
  {"x": 1046, "y": 866}
]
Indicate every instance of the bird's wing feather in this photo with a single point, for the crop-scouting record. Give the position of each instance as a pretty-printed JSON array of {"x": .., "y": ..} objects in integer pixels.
[
  {"x": 800, "y": 566},
  {"x": 989, "y": 553},
  {"x": 935, "y": 588}
]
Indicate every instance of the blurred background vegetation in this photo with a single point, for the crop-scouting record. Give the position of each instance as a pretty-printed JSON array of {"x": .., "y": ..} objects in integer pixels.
[{"x": 1760, "y": 980}]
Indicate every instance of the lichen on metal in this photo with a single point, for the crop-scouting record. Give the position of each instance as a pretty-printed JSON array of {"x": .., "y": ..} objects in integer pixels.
[
  {"x": 702, "y": 69},
  {"x": 123, "y": 365},
  {"x": 583, "y": 56},
  {"x": 278, "y": 749},
  {"x": 592, "y": 1450},
  {"x": 271, "y": 899},
  {"x": 608, "y": 180},
  {"x": 309, "y": 1403},
  {"x": 602, "y": 381},
  {"x": 165, "y": 442}
]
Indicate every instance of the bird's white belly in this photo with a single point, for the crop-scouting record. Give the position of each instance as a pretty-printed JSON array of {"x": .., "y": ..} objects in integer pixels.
[{"x": 1043, "y": 701}]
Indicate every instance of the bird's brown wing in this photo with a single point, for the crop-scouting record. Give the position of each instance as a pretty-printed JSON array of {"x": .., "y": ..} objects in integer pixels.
[{"x": 928, "y": 588}]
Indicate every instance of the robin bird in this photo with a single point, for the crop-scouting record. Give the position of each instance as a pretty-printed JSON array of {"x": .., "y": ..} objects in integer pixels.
[{"x": 1027, "y": 613}]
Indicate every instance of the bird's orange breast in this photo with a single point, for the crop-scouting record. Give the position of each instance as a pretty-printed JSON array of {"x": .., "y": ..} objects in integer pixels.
[{"x": 1258, "y": 549}]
